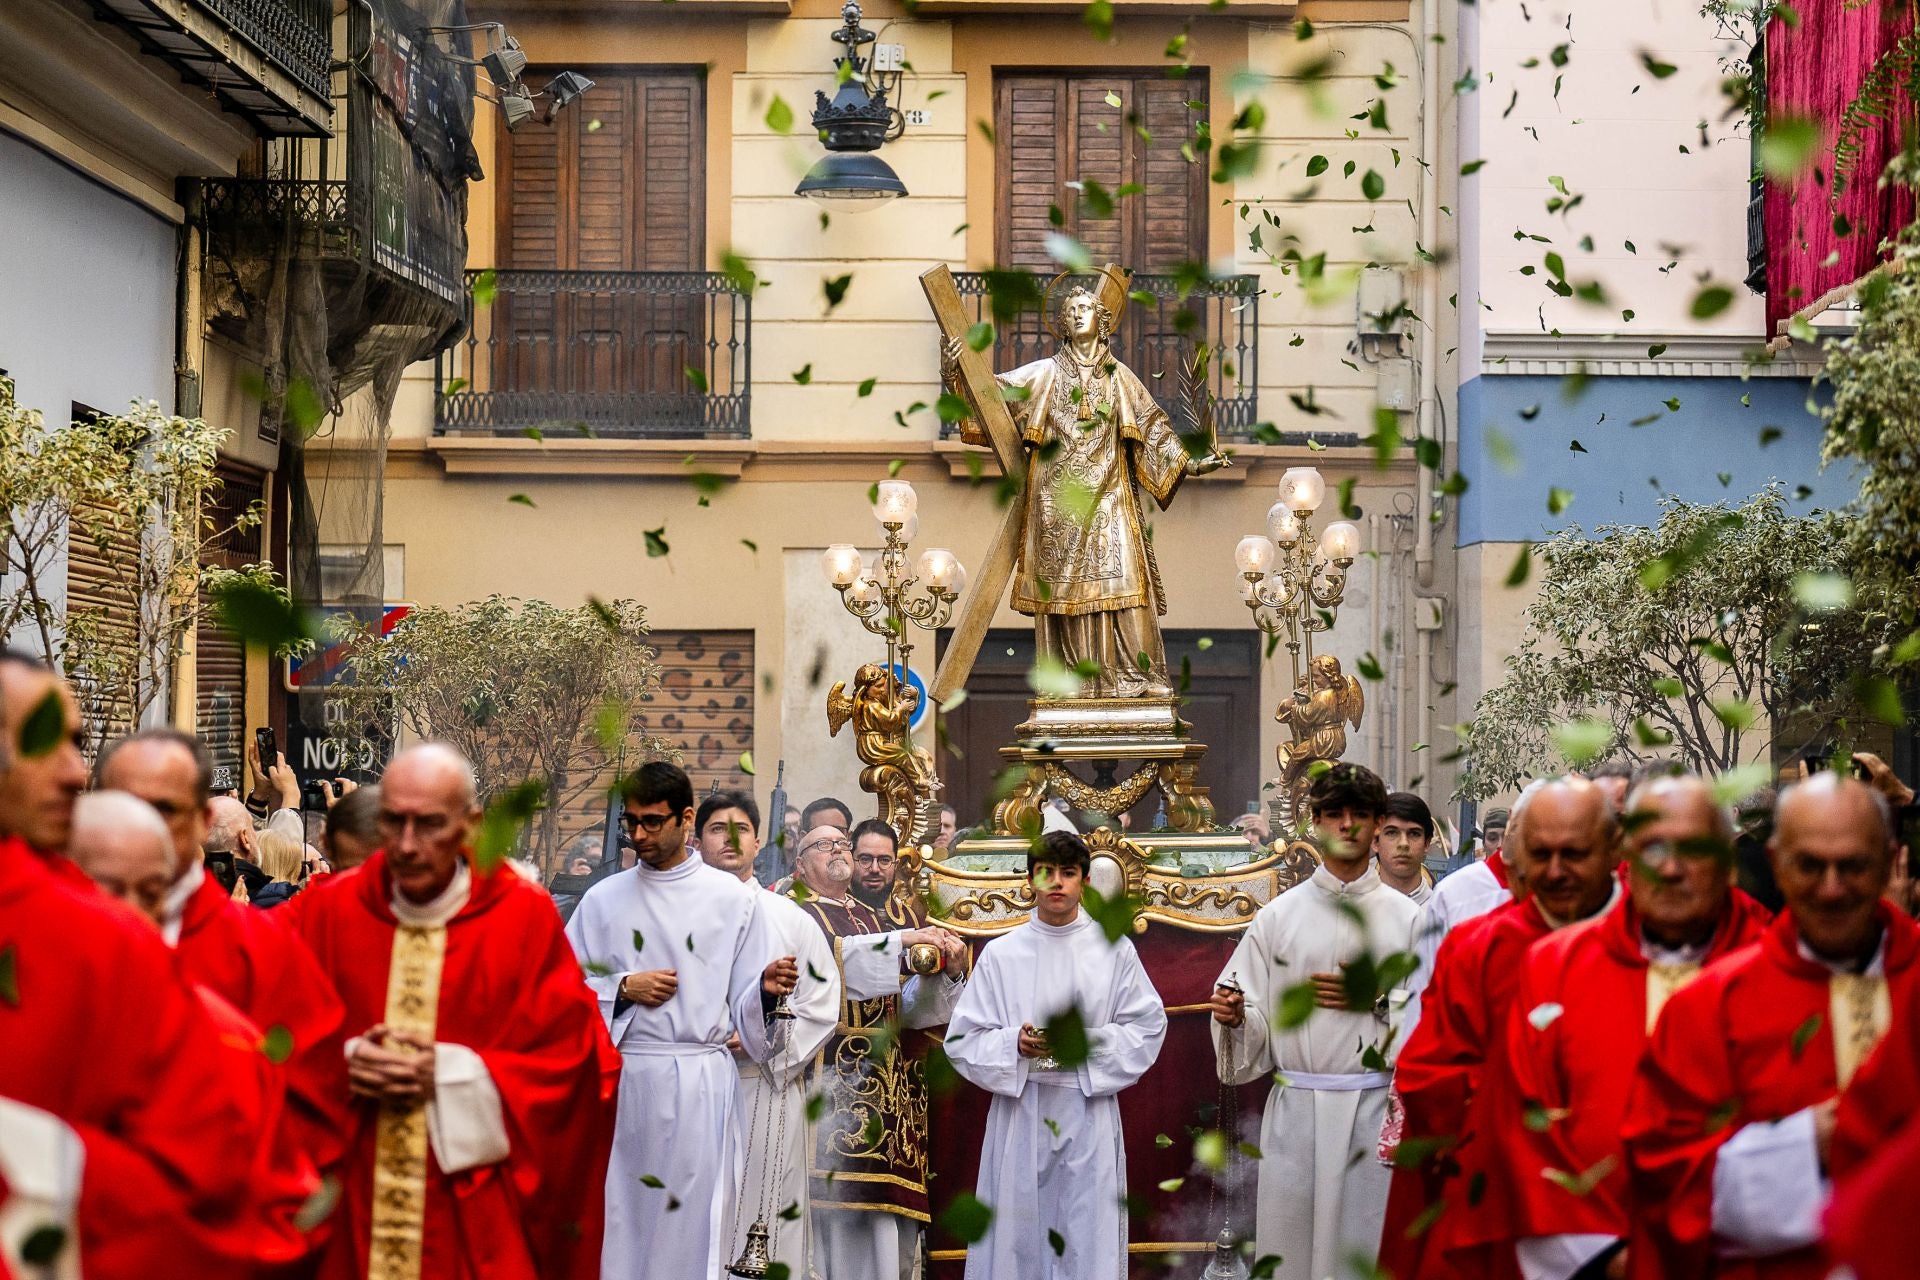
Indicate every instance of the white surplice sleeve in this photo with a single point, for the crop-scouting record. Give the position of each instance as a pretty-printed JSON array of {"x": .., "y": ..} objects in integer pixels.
[
  {"x": 1120, "y": 1051},
  {"x": 929, "y": 1000},
  {"x": 604, "y": 973},
  {"x": 759, "y": 946},
  {"x": 465, "y": 1122},
  {"x": 1768, "y": 1190},
  {"x": 1245, "y": 1053},
  {"x": 1559, "y": 1257},
  {"x": 983, "y": 1035},
  {"x": 870, "y": 965},
  {"x": 815, "y": 1002}
]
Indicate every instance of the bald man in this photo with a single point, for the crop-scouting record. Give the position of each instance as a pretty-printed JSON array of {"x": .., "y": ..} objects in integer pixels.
[
  {"x": 1731, "y": 1116},
  {"x": 123, "y": 845},
  {"x": 1579, "y": 1024},
  {"x": 476, "y": 1130}
]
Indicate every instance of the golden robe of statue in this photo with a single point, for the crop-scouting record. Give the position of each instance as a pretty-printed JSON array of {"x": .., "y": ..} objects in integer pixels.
[{"x": 1095, "y": 437}]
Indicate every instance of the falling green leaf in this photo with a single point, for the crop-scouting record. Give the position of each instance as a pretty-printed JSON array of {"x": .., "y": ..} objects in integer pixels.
[
  {"x": 261, "y": 614},
  {"x": 746, "y": 763},
  {"x": 1558, "y": 499},
  {"x": 866, "y": 387},
  {"x": 277, "y": 1044},
  {"x": 1210, "y": 1150},
  {"x": 522, "y": 499},
  {"x": 318, "y": 1206},
  {"x": 1711, "y": 301},
  {"x": 1582, "y": 741},
  {"x": 1056, "y": 1241},
  {"x": 1788, "y": 145},
  {"x": 486, "y": 287},
  {"x": 1655, "y": 67},
  {"x": 779, "y": 115},
  {"x": 1823, "y": 592},
  {"x": 505, "y": 816},
  {"x": 1372, "y": 185},
  {"x": 1804, "y": 1033},
  {"x": 1522, "y": 566},
  {"x": 836, "y": 289},
  {"x": 656, "y": 542},
  {"x": 967, "y": 1218},
  {"x": 1316, "y": 166},
  {"x": 9, "y": 977},
  {"x": 804, "y": 374},
  {"x": 1880, "y": 698}
]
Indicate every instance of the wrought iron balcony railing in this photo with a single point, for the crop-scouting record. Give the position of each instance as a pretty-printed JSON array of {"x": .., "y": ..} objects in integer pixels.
[
  {"x": 266, "y": 59},
  {"x": 611, "y": 354},
  {"x": 1159, "y": 333}
]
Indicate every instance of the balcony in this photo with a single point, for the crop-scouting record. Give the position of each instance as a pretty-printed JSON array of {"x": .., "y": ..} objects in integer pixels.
[
  {"x": 606, "y": 354},
  {"x": 1158, "y": 334},
  {"x": 265, "y": 59}
]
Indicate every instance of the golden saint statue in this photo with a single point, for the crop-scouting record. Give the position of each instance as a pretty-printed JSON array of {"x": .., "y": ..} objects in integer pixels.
[
  {"x": 1318, "y": 713},
  {"x": 900, "y": 773},
  {"x": 1094, "y": 438}
]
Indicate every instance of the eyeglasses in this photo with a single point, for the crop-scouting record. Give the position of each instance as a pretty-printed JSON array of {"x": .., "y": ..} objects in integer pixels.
[
  {"x": 839, "y": 846},
  {"x": 651, "y": 823},
  {"x": 874, "y": 860}
]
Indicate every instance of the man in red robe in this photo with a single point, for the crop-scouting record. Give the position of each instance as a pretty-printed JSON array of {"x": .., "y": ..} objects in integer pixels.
[
  {"x": 1442, "y": 1215},
  {"x": 245, "y": 955},
  {"x": 1875, "y": 1158},
  {"x": 477, "y": 1136},
  {"x": 1731, "y": 1116},
  {"x": 98, "y": 1027},
  {"x": 1587, "y": 1000}
]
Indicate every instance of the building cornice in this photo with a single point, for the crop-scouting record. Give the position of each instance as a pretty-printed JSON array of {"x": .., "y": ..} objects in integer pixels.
[{"x": 1677, "y": 355}]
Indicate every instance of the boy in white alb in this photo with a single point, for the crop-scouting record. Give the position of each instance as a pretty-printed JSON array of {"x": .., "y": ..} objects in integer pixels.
[{"x": 1053, "y": 1166}]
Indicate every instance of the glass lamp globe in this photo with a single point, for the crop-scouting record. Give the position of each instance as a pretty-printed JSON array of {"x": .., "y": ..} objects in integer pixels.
[
  {"x": 840, "y": 563},
  {"x": 1302, "y": 489},
  {"x": 1282, "y": 525},
  {"x": 895, "y": 502},
  {"x": 1254, "y": 555},
  {"x": 1341, "y": 541}
]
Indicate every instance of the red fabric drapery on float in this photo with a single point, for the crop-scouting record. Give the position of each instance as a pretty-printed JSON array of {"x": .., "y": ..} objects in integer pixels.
[
  {"x": 1178, "y": 1097},
  {"x": 1813, "y": 70}
]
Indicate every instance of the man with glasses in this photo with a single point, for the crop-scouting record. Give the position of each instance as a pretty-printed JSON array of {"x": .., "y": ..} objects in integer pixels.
[
  {"x": 478, "y": 1066},
  {"x": 869, "y": 1187},
  {"x": 247, "y": 957},
  {"x": 1588, "y": 999},
  {"x": 681, "y": 958}
]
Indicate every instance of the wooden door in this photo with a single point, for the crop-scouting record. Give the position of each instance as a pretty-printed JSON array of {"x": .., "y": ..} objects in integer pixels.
[
  {"x": 616, "y": 184},
  {"x": 1221, "y": 685}
]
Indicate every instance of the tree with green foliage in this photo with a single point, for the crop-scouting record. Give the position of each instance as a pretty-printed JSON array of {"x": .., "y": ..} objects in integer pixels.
[
  {"x": 525, "y": 689},
  {"x": 131, "y": 492},
  {"x": 1722, "y": 636}
]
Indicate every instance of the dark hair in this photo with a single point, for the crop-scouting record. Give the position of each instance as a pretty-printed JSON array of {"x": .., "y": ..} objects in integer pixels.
[
  {"x": 1610, "y": 769},
  {"x": 728, "y": 800},
  {"x": 821, "y": 805},
  {"x": 196, "y": 749},
  {"x": 355, "y": 815},
  {"x": 1410, "y": 808},
  {"x": 1060, "y": 849},
  {"x": 947, "y": 808},
  {"x": 875, "y": 827},
  {"x": 1347, "y": 786},
  {"x": 659, "y": 782}
]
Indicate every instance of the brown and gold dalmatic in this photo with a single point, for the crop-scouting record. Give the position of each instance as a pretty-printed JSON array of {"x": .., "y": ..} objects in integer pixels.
[{"x": 870, "y": 1152}]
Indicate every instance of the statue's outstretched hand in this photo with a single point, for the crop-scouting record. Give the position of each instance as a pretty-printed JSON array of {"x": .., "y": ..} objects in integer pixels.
[{"x": 1214, "y": 461}]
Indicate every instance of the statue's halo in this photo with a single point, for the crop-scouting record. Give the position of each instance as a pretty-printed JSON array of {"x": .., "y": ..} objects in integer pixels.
[{"x": 1051, "y": 314}]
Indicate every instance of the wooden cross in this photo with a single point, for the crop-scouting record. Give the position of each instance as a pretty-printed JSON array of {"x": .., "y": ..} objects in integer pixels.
[{"x": 981, "y": 390}]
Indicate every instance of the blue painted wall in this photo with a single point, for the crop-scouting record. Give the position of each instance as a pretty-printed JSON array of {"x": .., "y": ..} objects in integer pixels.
[{"x": 1685, "y": 450}]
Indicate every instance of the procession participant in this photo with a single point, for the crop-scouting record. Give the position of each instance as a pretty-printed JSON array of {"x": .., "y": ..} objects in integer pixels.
[
  {"x": 1053, "y": 1164},
  {"x": 681, "y": 957},
  {"x": 247, "y": 956},
  {"x": 476, "y": 1140},
  {"x": 1321, "y": 1192},
  {"x": 770, "y": 1110},
  {"x": 127, "y": 848},
  {"x": 869, "y": 1173},
  {"x": 1731, "y": 1115},
  {"x": 1563, "y": 847},
  {"x": 1875, "y": 1158},
  {"x": 165, "y": 1156},
  {"x": 1400, "y": 846},
  {"x": 1467, "y": 894},
  {"x": 1579, "y": 1024}
]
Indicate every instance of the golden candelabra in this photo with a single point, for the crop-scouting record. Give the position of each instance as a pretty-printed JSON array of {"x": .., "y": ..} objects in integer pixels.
[
  {"x": 1293, "y": 581},
  {"x": 881, "y": 705}
]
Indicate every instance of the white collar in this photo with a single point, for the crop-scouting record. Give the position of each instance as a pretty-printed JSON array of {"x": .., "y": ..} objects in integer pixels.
[
  {"x": 442, "y": 908},
  {"x": 1876, "y": 967},
  {"x": 173, "y": 908},
  {"x": 1368, "y": 881}
]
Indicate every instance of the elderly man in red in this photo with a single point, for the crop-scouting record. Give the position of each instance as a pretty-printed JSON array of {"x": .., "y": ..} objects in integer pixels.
[
  {"x": 1446, "y": 1217},
  {"x": 477, "y": 1138},
  {"x": 1732, "y": 1114},
  {"x": 103, "y": 1042},
  {"x": 1587, "y": 1002},
  {"x": 247, "y": 956}
]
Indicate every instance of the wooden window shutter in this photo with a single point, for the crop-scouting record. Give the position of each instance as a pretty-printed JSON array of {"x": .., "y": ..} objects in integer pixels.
[
  {"x": 95, "y": 591},
  {"x": 1060, "y": 128},
  {"x": 673, "y": 154}
]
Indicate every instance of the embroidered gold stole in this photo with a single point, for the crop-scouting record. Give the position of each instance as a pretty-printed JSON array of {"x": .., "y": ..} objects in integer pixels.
[{"x": 400, "y": 1142}]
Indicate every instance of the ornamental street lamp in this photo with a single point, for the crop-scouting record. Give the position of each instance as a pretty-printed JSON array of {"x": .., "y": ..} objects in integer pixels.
[
  {"x": 879, "y": 706},
  {"x": 854, "y": 124},
  {"x": 1292, "y": 580}
]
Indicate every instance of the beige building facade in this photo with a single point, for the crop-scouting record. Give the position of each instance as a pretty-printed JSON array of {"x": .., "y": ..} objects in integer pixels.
[{"x": 679, "y": 150}]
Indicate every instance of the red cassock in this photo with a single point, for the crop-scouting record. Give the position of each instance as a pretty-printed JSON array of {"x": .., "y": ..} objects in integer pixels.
[
  {"x": 1565, "y": 1077},
  {"x": 511, "y": 990},
  {"x": 99, "y": 1029},
  {"x": 1875, "y": 1157},
  {"x": 1750, "y": 1041},
  {"x": 1438, "y": 1078},
  {"x": 262, "y": 968}
]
